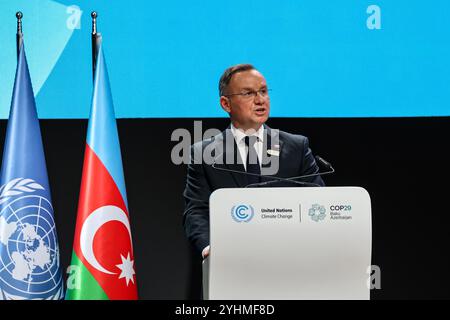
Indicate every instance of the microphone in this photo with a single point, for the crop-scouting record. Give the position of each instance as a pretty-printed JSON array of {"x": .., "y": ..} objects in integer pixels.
[
  {"x": 213, "y": 165},
  {"x": 324, "y": 163},
  {"x": 278, "y": 179},
  {"x": 320, "y": 160}
]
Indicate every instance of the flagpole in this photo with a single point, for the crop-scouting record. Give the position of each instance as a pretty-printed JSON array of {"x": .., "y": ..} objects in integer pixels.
[
  {"x": 19, "y": 35},
  {"x": 95, "y": 40}
]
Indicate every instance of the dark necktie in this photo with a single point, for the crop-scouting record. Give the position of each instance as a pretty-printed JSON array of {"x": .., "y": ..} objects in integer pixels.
[{"x": 252, "y": 162}]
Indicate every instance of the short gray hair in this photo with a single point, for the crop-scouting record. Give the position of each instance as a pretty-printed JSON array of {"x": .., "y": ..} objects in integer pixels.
[{"x": 228, "y": 74}]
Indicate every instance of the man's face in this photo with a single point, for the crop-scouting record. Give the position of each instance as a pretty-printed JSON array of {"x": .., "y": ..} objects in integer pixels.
[{"x": 251, "y": 110}]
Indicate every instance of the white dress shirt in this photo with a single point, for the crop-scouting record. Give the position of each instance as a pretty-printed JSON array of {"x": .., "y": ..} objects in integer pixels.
[{"x": 239, "y": 136}]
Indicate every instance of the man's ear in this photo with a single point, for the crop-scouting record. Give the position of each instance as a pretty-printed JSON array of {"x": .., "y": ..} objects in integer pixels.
[{"x": 225, "y": 103}]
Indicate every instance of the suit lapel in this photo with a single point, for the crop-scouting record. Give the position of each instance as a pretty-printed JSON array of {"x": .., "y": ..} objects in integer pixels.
[
  {"x": 272, "y": 148},
  {"x": 235, "y": 162}
]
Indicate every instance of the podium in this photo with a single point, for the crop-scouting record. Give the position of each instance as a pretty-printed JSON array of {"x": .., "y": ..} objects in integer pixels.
[{"x": 289, "y": 243}]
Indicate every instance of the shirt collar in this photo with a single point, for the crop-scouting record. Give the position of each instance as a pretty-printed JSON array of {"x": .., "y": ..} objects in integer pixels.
[{"x": 239, "y": 135}]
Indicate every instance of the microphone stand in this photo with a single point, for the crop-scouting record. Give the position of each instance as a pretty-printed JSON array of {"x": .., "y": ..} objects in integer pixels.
[{"x": 278, "y": 179}]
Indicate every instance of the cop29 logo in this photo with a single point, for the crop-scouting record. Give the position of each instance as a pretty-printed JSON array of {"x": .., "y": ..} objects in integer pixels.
[
  {"x": 242, "y": 213},
  {"x": 317, "y": 212}
]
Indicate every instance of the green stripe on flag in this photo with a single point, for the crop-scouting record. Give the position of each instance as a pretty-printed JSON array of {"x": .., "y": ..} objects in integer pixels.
[{"x": 81, "y": 285}]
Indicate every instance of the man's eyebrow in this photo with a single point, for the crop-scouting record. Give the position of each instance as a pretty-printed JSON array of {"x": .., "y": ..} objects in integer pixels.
[{"x": 251, "y": 89}]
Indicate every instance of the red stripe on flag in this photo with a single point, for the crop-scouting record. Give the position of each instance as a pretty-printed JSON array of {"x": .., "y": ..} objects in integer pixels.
[{"x": 111, "y": 241}]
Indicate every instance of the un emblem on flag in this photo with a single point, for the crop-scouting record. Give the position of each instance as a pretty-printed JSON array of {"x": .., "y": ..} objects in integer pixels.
[{"x": 29, "y": 253}]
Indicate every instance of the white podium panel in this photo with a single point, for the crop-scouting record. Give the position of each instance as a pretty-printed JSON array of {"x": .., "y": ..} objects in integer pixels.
[{"x": 290, "y": 243}]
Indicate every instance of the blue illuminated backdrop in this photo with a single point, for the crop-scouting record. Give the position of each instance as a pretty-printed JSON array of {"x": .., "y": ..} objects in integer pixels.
[{"x": 348, "y": 58}]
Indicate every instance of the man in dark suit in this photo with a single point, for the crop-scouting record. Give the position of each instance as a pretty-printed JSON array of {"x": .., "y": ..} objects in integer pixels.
[{"x": 247, "y": 153}]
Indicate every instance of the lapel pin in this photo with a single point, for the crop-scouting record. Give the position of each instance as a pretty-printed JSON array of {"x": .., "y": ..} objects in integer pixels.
[{"x": 273, "y": 152}]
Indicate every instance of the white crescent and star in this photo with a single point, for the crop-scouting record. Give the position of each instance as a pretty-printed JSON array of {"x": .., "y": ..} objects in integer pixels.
[{"x": 90, "y": 227}]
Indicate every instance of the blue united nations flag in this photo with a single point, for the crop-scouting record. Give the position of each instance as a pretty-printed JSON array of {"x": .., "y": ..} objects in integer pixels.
[{"x": 29, "y": 253}]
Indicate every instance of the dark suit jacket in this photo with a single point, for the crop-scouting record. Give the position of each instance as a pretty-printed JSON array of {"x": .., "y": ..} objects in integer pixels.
[{"x": 295, "y": 159}]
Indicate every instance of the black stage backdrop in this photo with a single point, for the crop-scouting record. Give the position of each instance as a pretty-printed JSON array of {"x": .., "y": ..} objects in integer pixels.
[{"x": 402, "y": 162}]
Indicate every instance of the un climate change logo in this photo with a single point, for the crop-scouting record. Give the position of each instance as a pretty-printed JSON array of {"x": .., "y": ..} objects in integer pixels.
[
  {"x": 242, "y": 213},
  {"x": 29, "y": 260},
  {"x": 317, "y": 212}
]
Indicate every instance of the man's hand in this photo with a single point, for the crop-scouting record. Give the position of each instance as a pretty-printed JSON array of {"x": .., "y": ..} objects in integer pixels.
[{"x": 205, "y": 252}]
